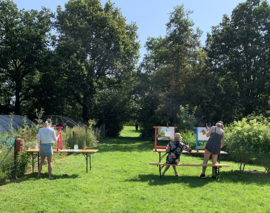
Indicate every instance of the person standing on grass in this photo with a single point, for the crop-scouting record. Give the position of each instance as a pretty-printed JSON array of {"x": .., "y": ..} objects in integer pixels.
[
  {"x": 174, "y": 150},
  {"x": 136, "y": 126},
  {"x": 213, "y": 146},
  {"x": 47, "y": 137}
]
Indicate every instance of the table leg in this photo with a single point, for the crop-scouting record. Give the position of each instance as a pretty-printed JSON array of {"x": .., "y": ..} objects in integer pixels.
[
  {"x": 33, "y": 164},
  {"x": 90, "y": 161},
  {"x": 86, "y": 162}
]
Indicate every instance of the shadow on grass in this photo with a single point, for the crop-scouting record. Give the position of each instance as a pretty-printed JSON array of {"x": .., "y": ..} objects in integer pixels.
[
  {"x": 29, "y": 177},
  {"x": 154, "y": 180},
  {"x": 124, "y": 144},
  {"x": 246, "y": 178},
  {"x": 195, "y": 181}
]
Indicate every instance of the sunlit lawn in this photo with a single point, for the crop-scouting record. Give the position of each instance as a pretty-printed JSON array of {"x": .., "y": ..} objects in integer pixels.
[{"x": 121, "y": 180}]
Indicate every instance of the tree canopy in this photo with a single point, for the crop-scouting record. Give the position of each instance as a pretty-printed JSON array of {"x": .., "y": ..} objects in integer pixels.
[
  {"x": 82, "y": 62},
  {"x": 238, "y": 53}
]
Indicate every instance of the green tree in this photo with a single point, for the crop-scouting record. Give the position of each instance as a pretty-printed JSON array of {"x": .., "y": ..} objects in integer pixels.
[
  {"x": 23, "y": 37},
  {"x": 239, "y": 57},
  {"x": 98, "y": 50},
  {"x": 174, "y": 71}
]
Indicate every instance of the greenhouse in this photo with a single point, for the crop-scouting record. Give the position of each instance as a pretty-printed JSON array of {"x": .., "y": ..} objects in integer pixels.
[{"x": 17, "y": 121}]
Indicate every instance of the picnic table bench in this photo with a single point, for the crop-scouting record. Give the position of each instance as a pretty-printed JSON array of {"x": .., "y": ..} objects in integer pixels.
[
  {"x": 161, "y": 165},
  {"x": 86, "y": 152}
]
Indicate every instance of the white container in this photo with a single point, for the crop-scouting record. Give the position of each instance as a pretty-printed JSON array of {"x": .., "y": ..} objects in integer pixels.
[
  {"x": 76, "y": 147},
  {"x": 36, "y": 146}
]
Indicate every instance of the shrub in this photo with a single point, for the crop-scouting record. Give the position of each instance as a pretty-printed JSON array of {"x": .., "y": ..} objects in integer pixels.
[
  {"x": 186, "y": 117},
  {"x": 83, "y": 136},
  {"x": 248, "y": 141},
  {"x": 189, "y": 138}
]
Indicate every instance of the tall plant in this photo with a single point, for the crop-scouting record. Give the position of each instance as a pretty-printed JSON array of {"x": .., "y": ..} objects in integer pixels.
[
  {"x": 248, "y": 141},
  {"x": 186, "y": 117}
]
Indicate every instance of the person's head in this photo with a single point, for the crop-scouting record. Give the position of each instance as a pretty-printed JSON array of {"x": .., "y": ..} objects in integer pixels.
[
  {"x": 48, "y": 122},
  {"x": 177, "y": 136},
  {"x": 220, "y": 124}
]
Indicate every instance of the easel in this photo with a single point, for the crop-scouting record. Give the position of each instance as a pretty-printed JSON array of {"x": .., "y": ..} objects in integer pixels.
[
  {"x": 59, "y": 140},
  {"x": 156, "y": 135},
  {"x": 198, "y": 140}
]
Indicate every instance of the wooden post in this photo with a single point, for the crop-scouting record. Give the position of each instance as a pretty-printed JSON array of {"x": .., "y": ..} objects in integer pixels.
[{"x": 15, "y": 160}]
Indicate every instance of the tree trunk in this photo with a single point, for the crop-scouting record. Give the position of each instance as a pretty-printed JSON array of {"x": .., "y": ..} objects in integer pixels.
[
  {"x": 86, "y": 107},
  {"x": 85, "y": 113},
  {"x": 17, "y": 99}
]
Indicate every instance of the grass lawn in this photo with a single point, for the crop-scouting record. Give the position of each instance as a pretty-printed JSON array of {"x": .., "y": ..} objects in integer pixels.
[{"x": 121, "y": 180}]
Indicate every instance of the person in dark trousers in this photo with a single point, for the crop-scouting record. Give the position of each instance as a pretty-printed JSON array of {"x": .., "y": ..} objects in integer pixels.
[{"x": 136, "y": 126}]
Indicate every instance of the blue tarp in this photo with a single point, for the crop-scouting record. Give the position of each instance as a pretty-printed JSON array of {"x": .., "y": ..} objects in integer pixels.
[{"x": 17, "y": 121}]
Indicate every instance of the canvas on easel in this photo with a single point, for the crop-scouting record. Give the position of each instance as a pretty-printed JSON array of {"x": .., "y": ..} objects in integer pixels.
[
  {"x": 164, "y": 133},
  {"x": 201, "y": 136}
]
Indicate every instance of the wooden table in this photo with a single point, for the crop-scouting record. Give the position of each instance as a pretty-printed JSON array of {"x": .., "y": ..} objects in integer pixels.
[
  {"x": 184, "y": 152},
  {"x": 86, "y": 152},
  {"x": 195, "y": 151}
]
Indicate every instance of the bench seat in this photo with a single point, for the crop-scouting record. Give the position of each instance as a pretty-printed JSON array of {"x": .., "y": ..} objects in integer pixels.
[{"x": 188, "y": 164}]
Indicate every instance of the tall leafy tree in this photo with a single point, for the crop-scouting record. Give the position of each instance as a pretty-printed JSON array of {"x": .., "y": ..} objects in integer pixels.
[
  {"x": 23, "y": 37},
  {"x": 98, "y": 49},
  {"x": 175, "y": 69},
  {"x": 238, "y": 50}
]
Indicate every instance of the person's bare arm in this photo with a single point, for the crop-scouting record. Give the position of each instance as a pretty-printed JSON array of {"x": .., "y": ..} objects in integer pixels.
[
  {"x": 222, "y": 141},
  {"x": 208, "y": 133}
]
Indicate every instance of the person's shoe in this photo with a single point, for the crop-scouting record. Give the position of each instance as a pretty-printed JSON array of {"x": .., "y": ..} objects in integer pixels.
[
  {"x": 202, "y": 176},
  {"x": 176, "y": 174},
  {"x": 213, "y": 177}
]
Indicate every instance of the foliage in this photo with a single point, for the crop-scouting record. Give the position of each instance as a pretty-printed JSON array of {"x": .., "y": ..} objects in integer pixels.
[
  {"x": 113, "y": 108},
  {"x": 187, "y": 118},
  {"x": 83, "y": 136},
  {"x": 135, "y": 186},
  {"x": 248, "y": 141},
  {"x": 23, "y": 37},
  {"x": 239, "y": 57},
  {"x": 189, "y": 138},
  {"x": 173, "y": 71},
  {"x": 30, "y": 132},
  {"x": 96, "y": 49}
]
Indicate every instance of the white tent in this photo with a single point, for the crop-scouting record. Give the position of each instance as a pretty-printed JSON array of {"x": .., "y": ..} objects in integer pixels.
[{"x": 17, "y": 121}]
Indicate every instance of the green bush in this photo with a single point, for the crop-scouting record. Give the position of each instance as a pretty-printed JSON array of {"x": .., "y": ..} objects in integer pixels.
[
  {"x": 248, "y": 141},
  {"x": 189, "y": 138},
  {"x": 146, "y": 128},
  {"x": 187, "y": 118},
  {"x": 84, "y": 136}
]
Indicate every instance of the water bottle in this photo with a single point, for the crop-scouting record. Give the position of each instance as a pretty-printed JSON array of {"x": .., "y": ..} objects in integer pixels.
[{"x": 36, "y": 146}]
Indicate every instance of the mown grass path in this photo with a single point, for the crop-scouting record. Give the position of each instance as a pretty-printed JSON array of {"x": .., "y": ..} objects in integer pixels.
[{"x": 121, "y": 180}]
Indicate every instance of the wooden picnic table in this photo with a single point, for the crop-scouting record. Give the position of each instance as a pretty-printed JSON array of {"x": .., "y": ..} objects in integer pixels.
[
  {"x": 195, "y": 151},
  {"x": 86, "y": 152}
]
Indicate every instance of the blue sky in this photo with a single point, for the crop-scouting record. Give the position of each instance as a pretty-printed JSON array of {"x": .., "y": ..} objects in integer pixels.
[{"x": 152, "y": 15}]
